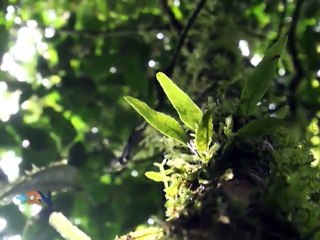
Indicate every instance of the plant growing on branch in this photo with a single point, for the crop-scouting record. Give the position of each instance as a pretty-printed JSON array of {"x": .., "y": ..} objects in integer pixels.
[{"x": 218, "y": 176}]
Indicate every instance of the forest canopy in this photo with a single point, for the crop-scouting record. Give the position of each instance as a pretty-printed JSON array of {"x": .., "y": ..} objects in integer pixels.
[{"x": 165, "y": 119}]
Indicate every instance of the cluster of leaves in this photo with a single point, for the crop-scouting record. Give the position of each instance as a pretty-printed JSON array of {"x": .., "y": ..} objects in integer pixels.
[
  {"x": 99, "y": 52},
  {"x": 182, "y": 169},
  {"x": 179, "y": 170}
]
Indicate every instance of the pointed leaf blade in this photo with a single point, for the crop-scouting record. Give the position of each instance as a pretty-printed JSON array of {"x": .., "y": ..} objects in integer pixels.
[
  {"x": 260, "y": 127},
  {"x": 189, "y": 113},
  {"x": 162, "y": 122},
  {"x": 204, "y": 132},
  {"x": 155, "y": 176},
  {"x": 259, "y": 81}
]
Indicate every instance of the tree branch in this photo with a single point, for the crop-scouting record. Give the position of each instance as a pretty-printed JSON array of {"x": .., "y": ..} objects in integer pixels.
[
  {"x": 174, "y": 22},
  {"x": 170, "y": 68},
  {"x": 183, "y": 37},
  {"x": 282, "y": 18}
]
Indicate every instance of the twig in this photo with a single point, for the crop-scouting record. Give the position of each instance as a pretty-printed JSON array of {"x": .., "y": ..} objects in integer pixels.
[
  {"x": 170, "y": 68},
  {"x": 298, "y": 77},
  {"x": 282, "y": 18},
  {"x": 136, "y": 135},
  {"x": 183, "y": 36},
  {"x": 174, "y": 22}
]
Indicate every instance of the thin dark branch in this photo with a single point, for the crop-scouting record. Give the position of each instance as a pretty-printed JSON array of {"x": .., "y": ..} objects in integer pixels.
[
  {"x": 292, "y": 47},
  {"x": 282, "y": 18},
  {"x": 174, "y": 22},
  {"x": 183, "y": 37},
  {"x": 137, "y": 134},
  {"x": 170, "y": 68}
]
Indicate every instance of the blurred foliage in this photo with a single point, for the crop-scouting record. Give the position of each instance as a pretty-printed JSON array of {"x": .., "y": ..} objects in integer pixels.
[{"x": 84, "y": 56}]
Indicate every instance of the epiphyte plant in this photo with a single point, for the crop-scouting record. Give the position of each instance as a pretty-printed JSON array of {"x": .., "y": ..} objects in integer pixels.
[
  {"x": 202, "y": 146},
  {"x": 205, "y": 142},
  {"x": 189, "y": 113},
  {"x": 179, "y": 170},
  {"x": 255, "y": 87}
]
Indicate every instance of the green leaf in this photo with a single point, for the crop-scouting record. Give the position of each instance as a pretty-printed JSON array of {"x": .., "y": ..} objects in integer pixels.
[
  {"x": 260, "y": 127},
  {"x": 204, "y": 132},
  {"x": 155, "y": 176},
  {"x": 162, "y": 122},
  {"x": 189, "y": 113},
  {"x": 259, "y": 81}
]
